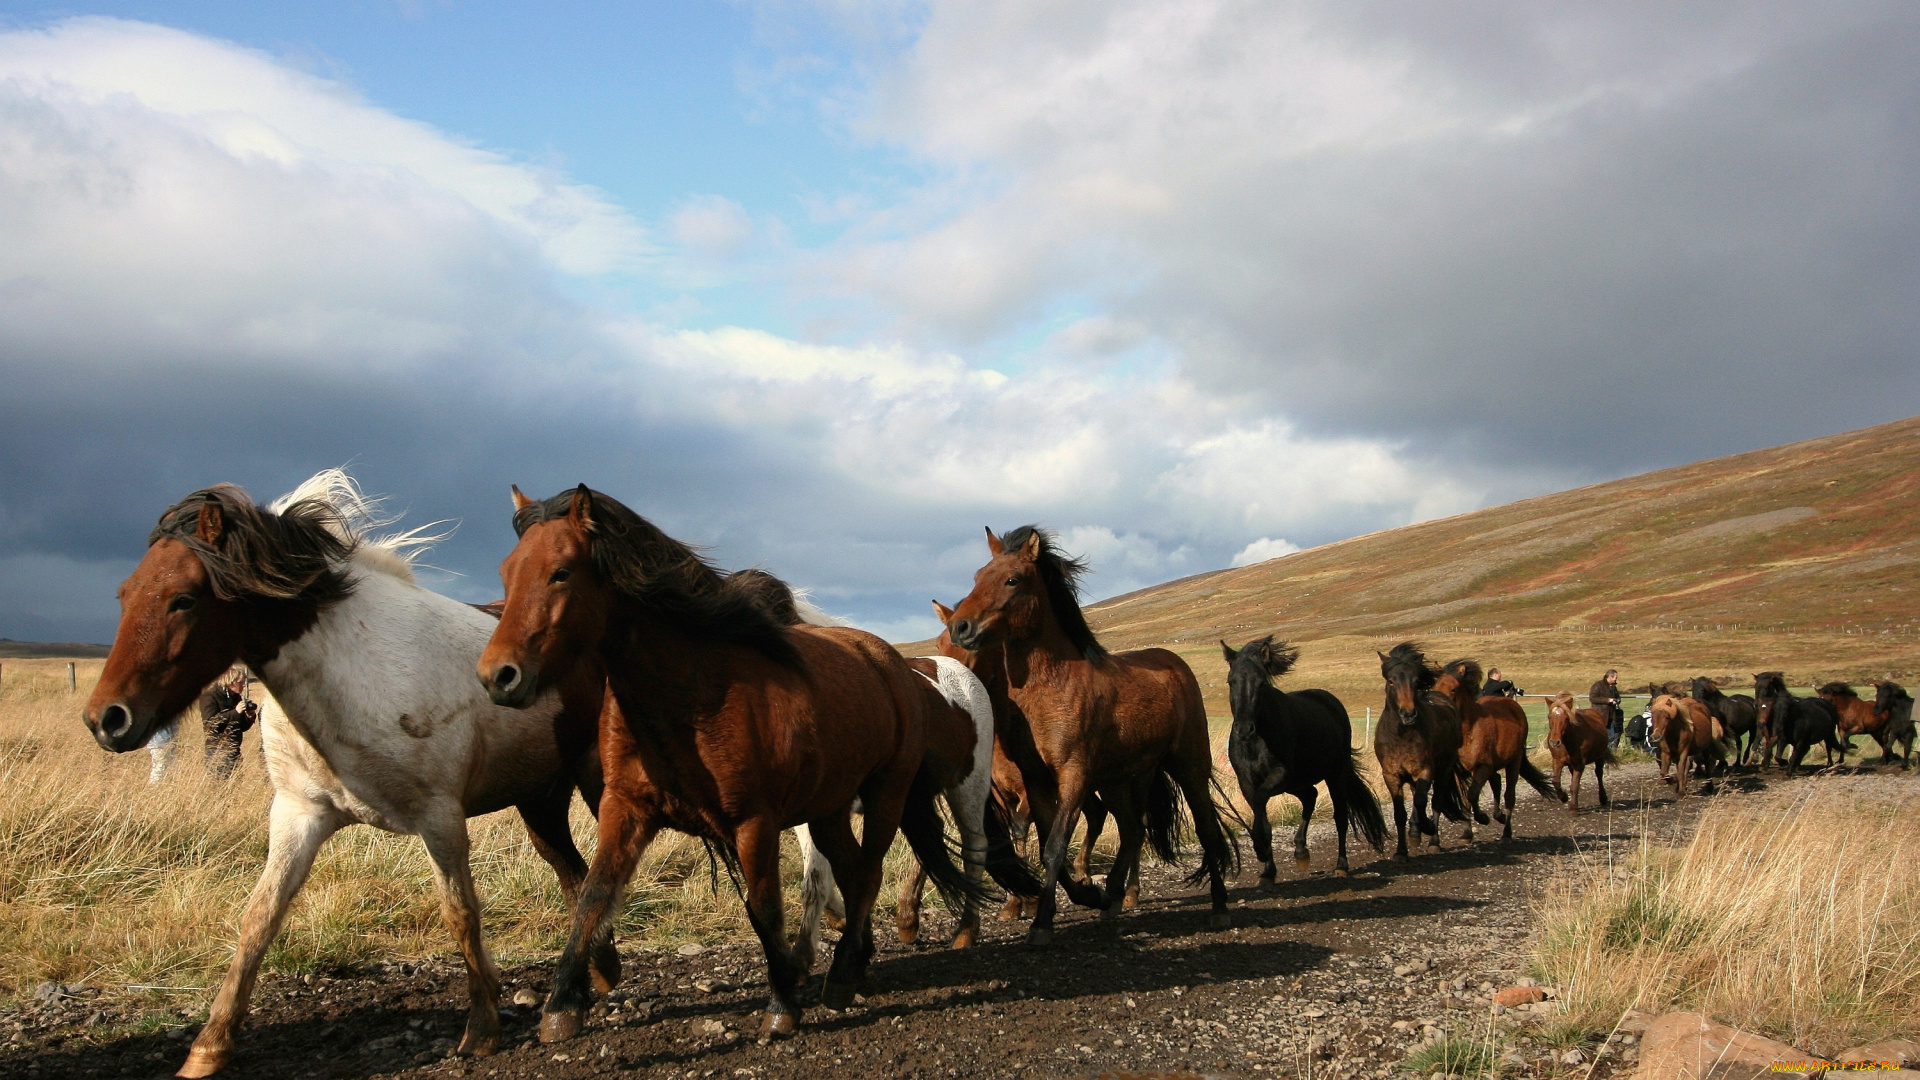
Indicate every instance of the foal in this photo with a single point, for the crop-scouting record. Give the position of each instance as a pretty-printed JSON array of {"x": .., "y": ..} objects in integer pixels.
[
  {"x": 1421, "y": 747},
  {"x": 1577, "y": 738},
  {"x": 332, "y": 621}
]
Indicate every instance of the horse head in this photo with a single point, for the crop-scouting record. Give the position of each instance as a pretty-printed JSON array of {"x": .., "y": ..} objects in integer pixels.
[
  {"x": 1255, "y": 665},
  {"x": 1408, "y": 676},
  {"x": 558, "y": 598},
  {"x": 1027, "y": 584},
  {"x": 1559, "y": 715},
  {"x": 222, "y": 580}
]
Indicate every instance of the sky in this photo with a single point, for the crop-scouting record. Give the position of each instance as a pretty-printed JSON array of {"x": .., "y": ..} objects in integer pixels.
[{"x": 827, "y": 287}]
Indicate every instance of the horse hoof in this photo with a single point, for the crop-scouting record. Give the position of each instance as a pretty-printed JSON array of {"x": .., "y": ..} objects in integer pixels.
[
  {"x": 834, "y": 922},
  {"x": 1341, "y": 871},
  {"x": 1110, "y": 913},
  {"x": 204, "y": 1061},
  {"x": 1302, "y": 865},
  {"x": 907, "y": 932},
  {"x": 1220, "y": 920},
  {"x": 472, "y": 1045},
  {"x": 559, "y": 1026},
  {"x": 837, "y": 996},
  {"x": 1402, "y": 856},
  {"x": 1132, "y": 900},
  {"x": 965, "y": 938},
  {"x": 605, "y": 969},
  {"x": 778, "y": 1026},
  {"x": 1009, "y": 913},
  {"x": 1039, "y": 936}
]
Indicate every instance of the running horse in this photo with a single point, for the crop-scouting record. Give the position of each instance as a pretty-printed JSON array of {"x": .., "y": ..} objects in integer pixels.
[
  {"x": 331, "y": 620},
  {"x": 1418, "y": 744},
  {"x": 1577, "y": 738},
  {"x": 1857, "y": 717},
  {"x": 1892, "y": 701},
  {"x": 746, "y": 727},
  {"x": 1130, "y": 726},
  {"x": 1493, "y": 740},
  {"x": 1739, "y": 716},
  {"x": 1797, "y": 723}
]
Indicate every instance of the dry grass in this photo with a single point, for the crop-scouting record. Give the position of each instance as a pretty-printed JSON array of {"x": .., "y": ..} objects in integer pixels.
[
  {"x": 107, "y": 881},
  {"x": 1795, "y": 914}
]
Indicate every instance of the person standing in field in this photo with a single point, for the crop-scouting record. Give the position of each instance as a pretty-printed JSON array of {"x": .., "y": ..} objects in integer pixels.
[
  {"x": 225, "y": 716},
  {"x": 1605, "y": 696}
]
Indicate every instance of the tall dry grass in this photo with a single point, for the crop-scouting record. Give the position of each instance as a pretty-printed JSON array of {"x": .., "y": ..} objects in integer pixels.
[
  {"x": 111, "y": 882},
  {"x": 1795, "y": 913}
]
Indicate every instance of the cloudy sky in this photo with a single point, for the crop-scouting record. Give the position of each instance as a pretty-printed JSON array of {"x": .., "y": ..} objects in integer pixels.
[{"x": 827, "y": 287}]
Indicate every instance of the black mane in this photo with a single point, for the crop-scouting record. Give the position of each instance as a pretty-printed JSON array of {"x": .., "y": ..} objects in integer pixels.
[
  {"x": 1062, "y": 577},
  {"x": 293, "y": 555},
  {"x": 1468, "y": 674},
  {"x": 670, "y": 578},
  {"x": 1274, "y": 656},
  {"x": 1838, "y": 689},
  {"x": 1410, "y": 654}
]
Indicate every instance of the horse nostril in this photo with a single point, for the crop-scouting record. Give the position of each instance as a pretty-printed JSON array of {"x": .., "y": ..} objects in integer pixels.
[
  {"x": 505, "y": 677},
  {"x": 116, "y": 720},
  {"x": 963, "y": 628}
]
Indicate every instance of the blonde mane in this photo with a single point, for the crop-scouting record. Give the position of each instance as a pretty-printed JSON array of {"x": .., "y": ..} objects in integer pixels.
[{"x": 359, "y": 516}]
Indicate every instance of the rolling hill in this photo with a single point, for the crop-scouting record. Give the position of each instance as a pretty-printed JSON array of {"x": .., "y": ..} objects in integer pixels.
[{"x": 1804, "y": 557}]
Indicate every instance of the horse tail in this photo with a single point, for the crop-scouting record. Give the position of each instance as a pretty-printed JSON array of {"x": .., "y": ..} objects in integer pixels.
[
  {"x": 1532, "y": 775},
  {"x": 1166, "y": 819},
  {"x": 1445, "y": 769},
  {"x": 927, "y": 835},
  {"x": 1363, "y": 807},
  {"x": 1004, "y": 863},
  {"x": 1206, "y": 811}
]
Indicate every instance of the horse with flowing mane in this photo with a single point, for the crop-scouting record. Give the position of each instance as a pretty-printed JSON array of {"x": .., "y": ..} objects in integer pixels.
[
  {"x": 746, "y": 726},
  {"x": 1287, "y": 742},
  {"x": 1892, "y": 701},
  {"x": 1796, "y": 722},
  {"x": 1421, "y": 747},
  {"x": 1130, "y": 726},
  {"x": 1857, "y": 717},
  {"x": 1739, "y": 716},
  {"x": 330, "y": 618},
  {"x": 1493, "y": 740},
  {"x": 1577, "y": 738}
]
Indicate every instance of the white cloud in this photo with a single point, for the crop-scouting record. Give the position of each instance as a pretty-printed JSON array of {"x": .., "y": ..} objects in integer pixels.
[
  {"x": 1261, "y": 550},
  {"x": 712, "y": 225}
]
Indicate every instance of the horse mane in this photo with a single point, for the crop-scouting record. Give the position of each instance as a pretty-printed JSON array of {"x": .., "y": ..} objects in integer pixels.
[
  {"x": 1775, "y": 685},
  {"x": 355, "y": 519},
  {"x": 1837, "y": 689},
  {"x": 669, "y": 577},
  {"x": 1468, "y": 674},
  {"x": 1062, "y": 577},
  {"x": 788, "y": 606},
  {"x": 291, "y": 552},
  {"x": 1410, "y": 653},
  {"x": 1280, "y": 656}
]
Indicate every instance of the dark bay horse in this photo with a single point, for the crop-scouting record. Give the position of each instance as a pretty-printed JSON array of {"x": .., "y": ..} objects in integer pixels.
[
  {"x": 1797, "y": 723},
  {"x": 1418, "y": 744},
  {"x": 1577, "y": 738},
  {"x": 1493, "y": 740},
  {"x": 1892, "y": 701},
  {"x": 1130, "y": 726},
  {"x": 1010, "y": 788},
  {"x": 1287, "y": 742},
  {"x": 1856, "y": 717},
  {"x": 747, "y": 728},
  {"x": 1739, "y": 716},
  {"x": 330, "y": 618}
]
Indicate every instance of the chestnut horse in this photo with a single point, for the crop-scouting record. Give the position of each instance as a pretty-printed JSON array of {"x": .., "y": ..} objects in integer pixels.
[
  {"x": 1493, "y": 740},
  {"x": 331, "y": 620},
  {"x": 1893, "y": 702},
  {"x": 1130, "y": 726},
  {"x": 1418, "y": 744},
  {"x": 1856, "y": 717},
  {"x": 1689, "y": 737},
  {"x": 747, "y": 727},
  {"x": 1577, "y": 738}
]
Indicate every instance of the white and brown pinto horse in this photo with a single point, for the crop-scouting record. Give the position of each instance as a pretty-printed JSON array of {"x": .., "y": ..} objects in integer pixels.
[{"x": 383, "y": 722}]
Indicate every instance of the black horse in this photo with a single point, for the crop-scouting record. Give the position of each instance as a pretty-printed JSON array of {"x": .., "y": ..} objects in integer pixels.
[
  {"x": 1797, "y": 722},
  {"x": 1896, "y": 704},
  {"x": 1739, "y": 716},
  {"x": 1285, "y": 743}
]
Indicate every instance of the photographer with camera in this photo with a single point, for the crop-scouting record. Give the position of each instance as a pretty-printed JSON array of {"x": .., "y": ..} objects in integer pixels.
[{"x": 1495, "y": 686}]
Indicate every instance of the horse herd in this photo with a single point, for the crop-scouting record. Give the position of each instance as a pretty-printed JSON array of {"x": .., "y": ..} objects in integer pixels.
[{"x": 671, "y": 695}]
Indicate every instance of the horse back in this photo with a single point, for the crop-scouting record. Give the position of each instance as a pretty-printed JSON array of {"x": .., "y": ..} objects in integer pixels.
[
  {"x": 1157, "y": 698},
  {"x": 951, "y": 738},
  {"x": 1493, "y": 732}
]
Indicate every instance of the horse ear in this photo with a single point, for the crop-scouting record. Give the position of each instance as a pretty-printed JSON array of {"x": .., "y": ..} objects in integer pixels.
[
  {"x": 520, "y": 502},
  {"x": 994, "y": 545},
  {"x": 1381, "y": 655},
  {"x": 212, "y": 524},
  {"x": 1032, "y": 548},
  {"x": 580, "y": 510},
  {"x": 1228, "y": 650},
  {"x": 1262, "y": 649},
  {"x": 942, "y": 610}
]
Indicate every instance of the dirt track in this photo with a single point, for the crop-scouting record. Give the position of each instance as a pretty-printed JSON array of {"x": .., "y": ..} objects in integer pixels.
[{"x": 1305, "y": 984}]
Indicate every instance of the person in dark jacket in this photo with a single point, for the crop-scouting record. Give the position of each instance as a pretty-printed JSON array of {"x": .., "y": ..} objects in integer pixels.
[
  {"x": 225, "y": 716},
  {"x": 1605, "y": 696},
  {"x": 1496, "y": 686}
]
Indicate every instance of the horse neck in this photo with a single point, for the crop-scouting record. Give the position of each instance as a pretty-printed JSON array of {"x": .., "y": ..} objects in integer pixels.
[
  {"x": 1046, "y": 657},
  {"x": 658, "y": 671}
]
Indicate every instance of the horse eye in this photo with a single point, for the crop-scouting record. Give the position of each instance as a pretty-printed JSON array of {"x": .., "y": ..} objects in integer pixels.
[
  {"x": 1013, "y": 581},
  {"x": 182, "y": 602},
  {"x": 560, "y": 575}
]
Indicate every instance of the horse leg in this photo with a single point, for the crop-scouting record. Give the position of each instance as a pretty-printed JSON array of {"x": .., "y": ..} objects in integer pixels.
[
  {"x": 1194, "y": 782},
  {"x": 295, "y": 831},
  {"x": 546, "y": 821},
  {"x": 626, "y": 828},
  {"x": 1262, "y": 834},
  {"x": 906, "y": 911},
  {"x": 969, "y": 804},
  {"x": 1096, "y": 816},
  {"x": 1340, "y": 811},
  {"x": 817, "y": 895},
  {"x": 1513, "y": 789},
  {"x": 758, "y": 843},
  {"x": 447, "y": 845},
  {"x": 1494, "y": 782},
  {"x": 858, "y": 866},
  {"x": 1126, "y": 862},
  {"x": 1055, "y": 821},
  {"x": 1302, "y": 861},
  {"x": 1427, "y": 825},
  {"x": 1398, "y": 787}
]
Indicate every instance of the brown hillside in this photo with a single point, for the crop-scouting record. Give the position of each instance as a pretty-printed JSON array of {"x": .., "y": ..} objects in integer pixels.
[{"x": 1804, "y": 557}]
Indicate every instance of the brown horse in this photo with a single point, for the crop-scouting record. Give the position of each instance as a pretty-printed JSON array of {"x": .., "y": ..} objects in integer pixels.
[
  {"x": 1685, "y": 730},
  {"x": 1577, "y": 738},
  {"x": 1009, "y": 787},
  {"x": 1418, "y": 744},
  {"x": 1130, "y": 726},
  {"x": 746, "y": 726},
  {"x": 1857, "y": 717},
  {"x": 1493, "y": 740}
]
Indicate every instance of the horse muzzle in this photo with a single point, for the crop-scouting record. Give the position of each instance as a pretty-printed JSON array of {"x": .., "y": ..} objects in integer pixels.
[
  {"x": 512, "y": 685},
  {"x": 966, "y": 633},
  {"x": 117, "y": 728}
]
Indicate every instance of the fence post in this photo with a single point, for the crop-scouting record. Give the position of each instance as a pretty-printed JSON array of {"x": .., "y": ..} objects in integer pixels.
[{"x": 73, "y": 682}]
